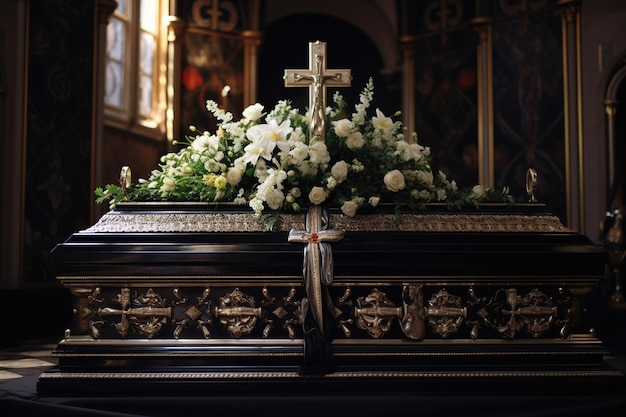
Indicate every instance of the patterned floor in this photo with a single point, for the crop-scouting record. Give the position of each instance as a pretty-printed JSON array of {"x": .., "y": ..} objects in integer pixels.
[{"x": 31, "y": 359}]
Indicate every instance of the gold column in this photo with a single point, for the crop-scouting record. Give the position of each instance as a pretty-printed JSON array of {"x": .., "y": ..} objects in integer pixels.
[
  {"x": 252, "y": 40},
  {"x": 610, "y": 108},
  {"x": 570, "y": 14},
  {"x": 408, "y": 84},
  {"x": 175, "y": 29},
  {"x": 484, "y": 69},
  {"x": 103, "y": 12}
]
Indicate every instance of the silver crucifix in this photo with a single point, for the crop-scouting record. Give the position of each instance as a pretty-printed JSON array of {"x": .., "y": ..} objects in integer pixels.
[{"x": 317, "y": 78}]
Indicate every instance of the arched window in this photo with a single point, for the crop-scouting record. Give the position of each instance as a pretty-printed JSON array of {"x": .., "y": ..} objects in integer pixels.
[{"x": 136, "y": 67}]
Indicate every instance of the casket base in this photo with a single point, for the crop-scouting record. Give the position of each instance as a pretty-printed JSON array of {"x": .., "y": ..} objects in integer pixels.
[
  {"x": 187, "y": 367},
  {"x": 182, "y": 299}
]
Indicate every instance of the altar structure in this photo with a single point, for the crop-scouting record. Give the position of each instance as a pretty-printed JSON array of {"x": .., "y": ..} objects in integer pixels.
[{"x": 198, "y": 297}]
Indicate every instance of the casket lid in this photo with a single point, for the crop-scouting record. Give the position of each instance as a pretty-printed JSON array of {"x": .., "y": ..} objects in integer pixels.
[{"x": 183, "y": 240}]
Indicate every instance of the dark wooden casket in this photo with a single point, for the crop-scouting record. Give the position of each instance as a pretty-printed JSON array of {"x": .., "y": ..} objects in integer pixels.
[{"x": 181, "y": 297}]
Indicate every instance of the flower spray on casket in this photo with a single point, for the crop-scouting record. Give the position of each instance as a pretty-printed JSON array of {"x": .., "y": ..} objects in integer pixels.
[{"x": 267, "y": 161}]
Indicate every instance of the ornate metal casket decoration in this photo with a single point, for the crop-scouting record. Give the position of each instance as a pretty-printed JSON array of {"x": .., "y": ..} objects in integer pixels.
[
  {"x": 146, "y": 313},
  {"x": 237, "y": 312},
  {"x": 375, "y": 313},
  {"x": 445, "y": 313}
]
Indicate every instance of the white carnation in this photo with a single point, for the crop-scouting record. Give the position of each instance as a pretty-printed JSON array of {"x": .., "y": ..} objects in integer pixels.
[
  {"x": 274, "y": 198},
  {"x": 295, "y": 191},
  {"x": 339, "y": 171},
  {"x": 319, "y": 153},
  {"x": 355, "y": 141},
  {"x": 425, "y": 176}
]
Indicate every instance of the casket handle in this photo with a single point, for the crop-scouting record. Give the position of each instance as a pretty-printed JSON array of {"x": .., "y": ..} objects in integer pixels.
[
  {"x": 125, "y": 180},
  {"x": 531, "y": 184}
]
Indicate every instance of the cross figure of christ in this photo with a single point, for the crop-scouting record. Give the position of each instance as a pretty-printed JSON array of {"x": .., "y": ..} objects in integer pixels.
[{"x": 317, "y": 78}]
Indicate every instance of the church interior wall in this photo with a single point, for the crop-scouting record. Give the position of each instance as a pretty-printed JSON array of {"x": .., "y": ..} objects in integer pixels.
[
  {"x": 602, "y": 27},
  {"x": 603, "y": 47}
]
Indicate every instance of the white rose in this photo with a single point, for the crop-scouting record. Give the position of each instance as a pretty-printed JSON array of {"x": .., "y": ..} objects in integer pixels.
[
  {"x": 394, "y": 180},
  {"x": 478, "y": 191},
  {"x": 373, "y": 201},
  {"x": 234, "y": 176},
  {"x": 253, "y": 112},
  {"x": 343, "y": 128},
  {"x": 349, "y": 208},
  {"x": 317, "y": 195},
  {"x": 355, "y": 141}
]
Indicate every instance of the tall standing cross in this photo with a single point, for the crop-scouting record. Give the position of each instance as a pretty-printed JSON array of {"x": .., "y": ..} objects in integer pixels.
[{"x": 317, "y": 78}]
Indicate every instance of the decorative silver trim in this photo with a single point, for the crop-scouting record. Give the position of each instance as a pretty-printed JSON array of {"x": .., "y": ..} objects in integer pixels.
[{"x": 136, "y": 222}]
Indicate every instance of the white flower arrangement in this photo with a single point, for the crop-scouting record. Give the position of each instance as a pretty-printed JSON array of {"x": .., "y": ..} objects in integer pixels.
[{"x": 267, "y": 161}]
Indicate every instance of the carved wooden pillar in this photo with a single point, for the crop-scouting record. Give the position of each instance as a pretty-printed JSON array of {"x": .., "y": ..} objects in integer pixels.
[{"x": 13, "y": 119}]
